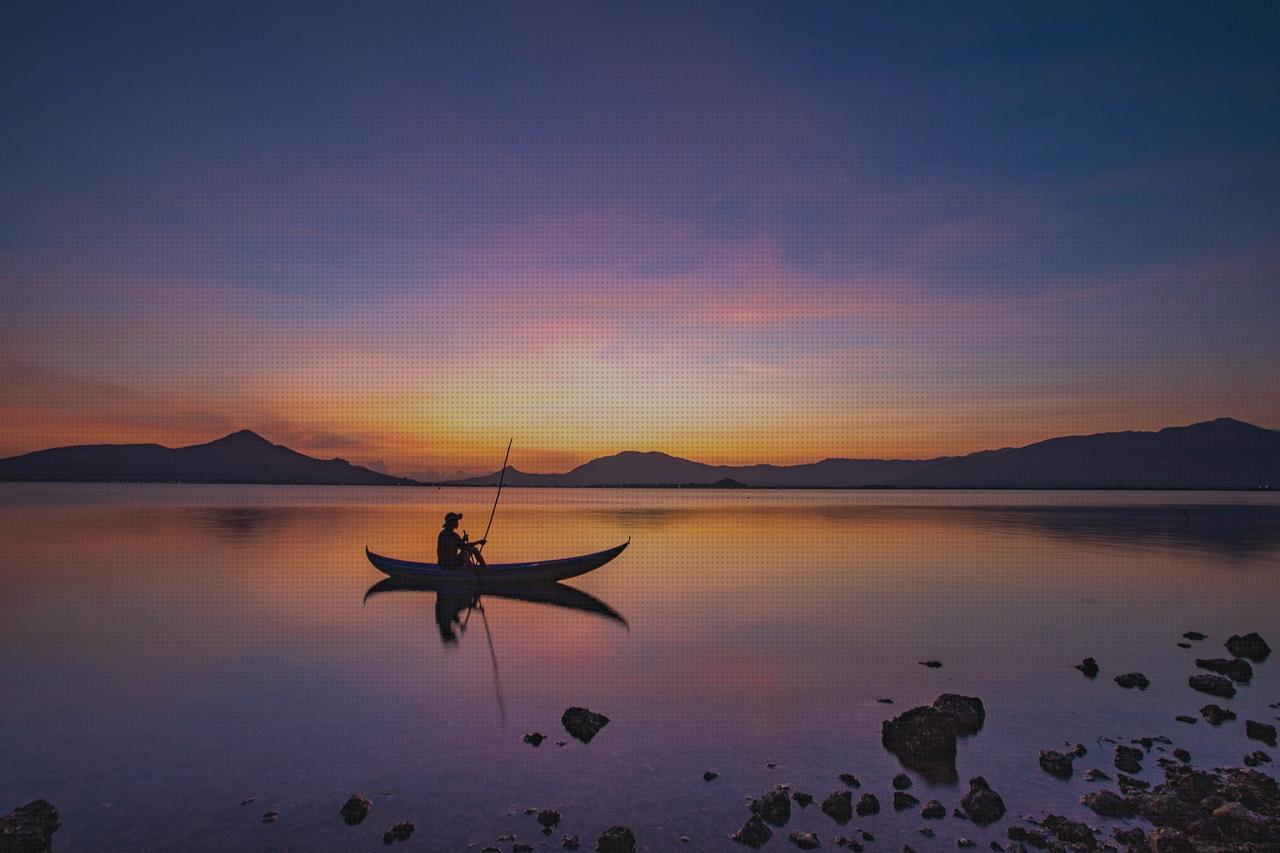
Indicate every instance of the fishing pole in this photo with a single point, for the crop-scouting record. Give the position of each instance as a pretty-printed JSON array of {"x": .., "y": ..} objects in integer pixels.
[{"x": 501, "y": 478}]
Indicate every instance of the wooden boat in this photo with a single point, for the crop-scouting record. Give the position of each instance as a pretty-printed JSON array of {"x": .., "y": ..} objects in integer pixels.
[{"x": 498, "y": 573}]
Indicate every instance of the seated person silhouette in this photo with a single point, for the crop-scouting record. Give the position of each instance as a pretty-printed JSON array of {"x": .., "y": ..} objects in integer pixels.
[{"x": 454, "y": 551}]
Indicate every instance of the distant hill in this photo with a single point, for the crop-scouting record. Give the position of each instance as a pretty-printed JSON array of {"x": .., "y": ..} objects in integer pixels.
[
  {"x": 1221, "y": 454},
  {"x": 632, "y": 468},
  {"x": 242, "y": 457}
]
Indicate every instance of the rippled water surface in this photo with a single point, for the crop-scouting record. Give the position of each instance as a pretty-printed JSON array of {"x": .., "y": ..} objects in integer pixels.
[{"x": 170, "y": 651}]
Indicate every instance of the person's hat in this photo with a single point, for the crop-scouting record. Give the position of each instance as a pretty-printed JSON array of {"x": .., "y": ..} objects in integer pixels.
[{"x": 452, "y": 516}]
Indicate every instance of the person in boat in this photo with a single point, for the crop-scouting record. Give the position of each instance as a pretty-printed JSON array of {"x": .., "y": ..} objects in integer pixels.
[{"x": 454, "y": 551}]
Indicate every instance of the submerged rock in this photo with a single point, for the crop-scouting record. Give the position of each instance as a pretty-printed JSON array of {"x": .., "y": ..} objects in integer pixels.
[
  {"x": 400, "y": 832},
  {"x": 1056, "y": 763},
  {"x": 1131, "y": 680},
  {"x": 582, "y": 723},
  {"x": 1183, "y": 718},
  {"x": 839, "y": 807},
  {"x": 981, "y": 804},
  {"x": 1237, "y": 670},
  {"x": 548, "y": 818},
  {"x": 1089, "y": 667},
  {"x": 1216, "y": 714},
  {"x": 1249, "y": 646},
  {"x": 754, "y": 833},
  {"x": 30, "y": 828},
  {"x": 571, "y": 841},
  {"x": 867, "y": 805},
  {"x": 1260, "y": 731},
  {"x": 1109, "y": 804},
  {"x": 616, "y": 839},
  {"x": 1256, "y": 759},
  {"x": 1129, "y": 759},
  {"x": 774, "y": 807},
  {"x": 805, "y": 840},
  {"x": 1095, "y": 775},
  {"x": 903, "y": 801},
  {"x": 1214, "y": 685}
]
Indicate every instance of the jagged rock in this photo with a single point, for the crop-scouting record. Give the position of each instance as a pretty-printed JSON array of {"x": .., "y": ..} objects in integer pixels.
[
  {"x": 1194, "y": 635},
  {"x": 839, "y": 807},
  {"x": 867, "y": 805},
  {"x": 1089, "y": 667},
  {"x": 754, "y": 833},
  {"x": 1260, "y": 731},
  {"x": 1169, "y": 840},
  {"x": 1133, "y": 837},
  {"x": 1249, "y": 646},
  {"x": 1079, "y": 751},
  {"x": 1022, "y": 835},
  {"x": 1129, "y": 759},
  {"x": 1056, "y": 763},
  {"x": 1128, "y": 784},
  {"x": 709, "y": 776},
  {"x": 774, "y": 807},
  {"x": 967, "y": 713},
  {"x": 1183, "y": 718},
  {"x": 903, "y": 801},
  {"x": 400, "y": 832},
  {"x": 355, "y": 809},
  {"x": 1093, "y": 774},
  {"x": 1257, "y": 759},
  {"x": 901, "y": 782},
  {"x": 583, "y": 725},
  {"x": 1109, "y": 804},
  {"x": 933, "y": 810},
  {"x": 805, "y": 840},
  {"x": 616, "y": 839},
  {"x": 1070, "y": 831},
  {"x": 802, "y": 799},
  {"x": 1182, "y": 755},
  {"x": 1133, "y": 679},
  {"x": 1236, "y": 669},
  {"x": 1214, "y": 685},
  {"x": 981, "y": 804},
  {"x": 1216, "y": 714},
  {"x": 534, "y": 738},
  {"x": 850, "y": 780},
  {"x": 571, "y": 841},
  {"x": 29, "y": 828},
  {"x": 548, "y": 818},
  {"x": 924, "y": 739}
]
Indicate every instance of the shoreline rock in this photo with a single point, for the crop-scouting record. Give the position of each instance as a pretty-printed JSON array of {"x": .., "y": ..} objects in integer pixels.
[
  {"x": 30, "y": 828},
  {"x": 1214, "y": 685},
  {"x": 1249, "y": 646}
]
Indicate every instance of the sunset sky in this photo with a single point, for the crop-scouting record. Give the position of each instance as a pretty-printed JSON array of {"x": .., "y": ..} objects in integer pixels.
[{"x": 402, "y": 233}]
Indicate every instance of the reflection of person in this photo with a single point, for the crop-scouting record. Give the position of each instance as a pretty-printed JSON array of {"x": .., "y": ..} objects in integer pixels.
[
  {"x": 454, "y": 551},
  {"x": 449, "y": 606}
]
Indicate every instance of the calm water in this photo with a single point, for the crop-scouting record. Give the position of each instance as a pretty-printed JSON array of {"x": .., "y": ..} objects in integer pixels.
[{"x": 170, "y": 651}]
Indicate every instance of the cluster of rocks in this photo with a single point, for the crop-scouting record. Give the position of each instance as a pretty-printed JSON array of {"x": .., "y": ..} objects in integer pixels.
[
  {"x": 582, "y": 723},
  {"x": 924, "y": 738},
  {"x": 29, "y": 828}
]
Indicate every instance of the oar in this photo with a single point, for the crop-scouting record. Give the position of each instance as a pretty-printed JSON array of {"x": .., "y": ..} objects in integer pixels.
[{"x": 501, "y": 478}]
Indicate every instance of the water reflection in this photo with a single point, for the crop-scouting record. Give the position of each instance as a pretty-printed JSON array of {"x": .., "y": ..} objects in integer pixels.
[{"x": 455, "y": 600}]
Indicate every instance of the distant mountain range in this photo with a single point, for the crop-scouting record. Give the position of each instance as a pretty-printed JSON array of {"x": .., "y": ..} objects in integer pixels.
[
  {"x": 242, "y": 457},
  {"x": 1221, "y": 454}
]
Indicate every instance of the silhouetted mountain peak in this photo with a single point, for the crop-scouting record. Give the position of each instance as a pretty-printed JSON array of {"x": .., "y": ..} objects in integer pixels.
[{"x": 243, "y": 438}]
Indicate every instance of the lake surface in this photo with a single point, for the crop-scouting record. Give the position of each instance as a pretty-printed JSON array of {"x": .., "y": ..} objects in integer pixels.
[{"x": 170, "y": 651}]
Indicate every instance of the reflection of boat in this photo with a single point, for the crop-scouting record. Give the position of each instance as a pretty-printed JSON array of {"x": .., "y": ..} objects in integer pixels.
[
  {"x": 499, "y": 574},
  {"x": 469, "y": 589}
]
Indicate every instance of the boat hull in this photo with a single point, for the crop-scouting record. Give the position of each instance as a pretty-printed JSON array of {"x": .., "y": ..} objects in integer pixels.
[{"x": 498, "y": 574}]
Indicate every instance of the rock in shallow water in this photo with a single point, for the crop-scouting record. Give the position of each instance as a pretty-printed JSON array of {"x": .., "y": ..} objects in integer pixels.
[
  {"x": 1056, "y": 763},
  {"x": 1249, "y": 646},
  {"x": 1089, "y": 667},
  {"x": 29, "y": 828},
  {"x": 839, "y": 807},
  {"x": 709, "y": 776},
  {"x": 534, "y": 738},
  {"x": 933, "y": 810},
  {"x": 582, "y": 723},
  {"x": 1214, "y": 685},
  {"x": 981, "y": 804},
  {"x": 901, "y": 782},
  {"x": 1131, "y": 680},
  {"x": 805, "y": 840},
  {"x": 400, "y": 832},
  {"x": 903, "y": 801},
  {"x": 1109, "y": 804},
  {"x": 355, "y": 809},
  {"x": 868, "y": 805},
  {"x": 1129, "y": 759},
  {"x": 774, "y": 807},
  {"x": 754, "y": 833},
  {"x": 1237, "y": 670},
  {"x": 616, "y": 839},
  {"x": 1216, "y": 714},
  {"x": 1260, "y": 731},
  {"x": 1256, "y": 759}
]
